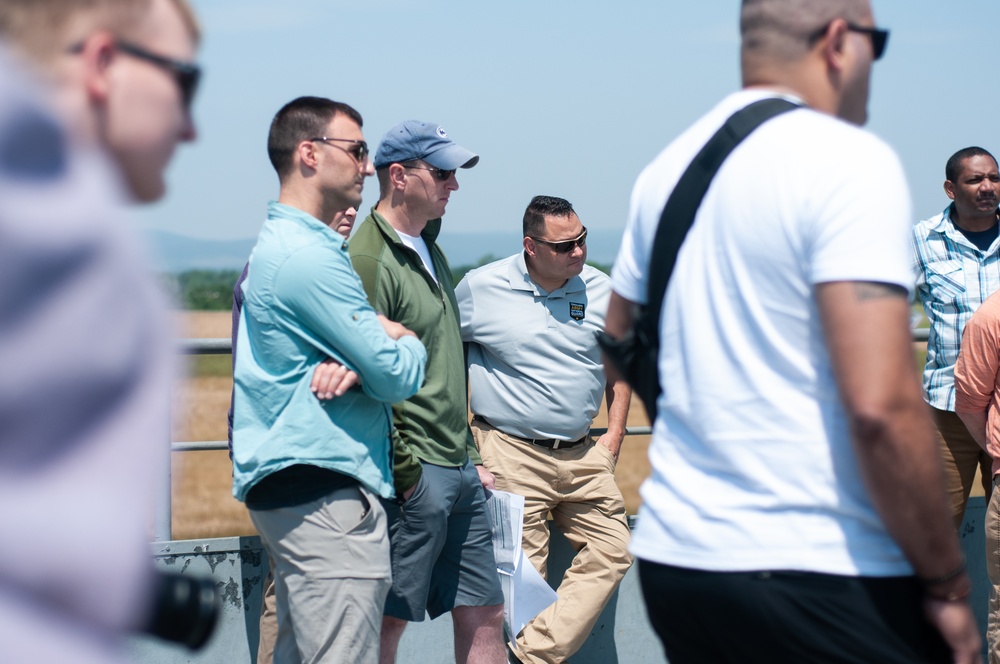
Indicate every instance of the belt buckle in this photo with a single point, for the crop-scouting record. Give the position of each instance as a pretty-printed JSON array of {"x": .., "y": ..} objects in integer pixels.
[{"x": 556, "y": 443}]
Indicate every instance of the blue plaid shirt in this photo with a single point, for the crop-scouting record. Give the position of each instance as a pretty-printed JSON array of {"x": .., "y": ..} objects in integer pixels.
[{"x": 953, "y": 279}]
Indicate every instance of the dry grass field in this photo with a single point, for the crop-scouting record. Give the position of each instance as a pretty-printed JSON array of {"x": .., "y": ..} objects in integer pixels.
[{"x": 203, "y": 505}]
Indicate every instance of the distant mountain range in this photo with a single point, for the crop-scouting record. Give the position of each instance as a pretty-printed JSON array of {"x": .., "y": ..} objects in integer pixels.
[{"x": 175, "y": 253}]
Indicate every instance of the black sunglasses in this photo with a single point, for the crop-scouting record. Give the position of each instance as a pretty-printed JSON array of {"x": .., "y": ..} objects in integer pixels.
[
  {"x": 186, "y": 74},
  {"x": 565, "y": 246},
  {"x": 879, "y": 37},
  {"x": 439, "y": 173},
  {"x": 359, "y": 149}
]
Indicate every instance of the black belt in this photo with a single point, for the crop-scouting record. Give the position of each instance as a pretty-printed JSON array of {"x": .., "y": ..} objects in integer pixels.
[
  {"x": 549, "y": 443},
  {"x": 553, "y": 443}
]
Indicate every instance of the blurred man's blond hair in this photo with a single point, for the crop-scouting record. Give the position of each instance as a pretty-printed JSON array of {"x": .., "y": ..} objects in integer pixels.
[{"x": 43, "y": 29}]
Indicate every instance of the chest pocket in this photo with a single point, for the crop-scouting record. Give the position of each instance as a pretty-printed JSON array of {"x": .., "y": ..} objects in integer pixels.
[{"x": 946, "y": 280}]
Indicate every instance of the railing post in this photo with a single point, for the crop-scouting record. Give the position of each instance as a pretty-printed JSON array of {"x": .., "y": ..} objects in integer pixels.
[
  {"x": 162, "y": 521},
  {"x": 162, "y": 528}
]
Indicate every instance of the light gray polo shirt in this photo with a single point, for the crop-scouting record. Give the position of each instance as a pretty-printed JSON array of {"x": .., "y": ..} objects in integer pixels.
[{"x": 534, "y": 364}]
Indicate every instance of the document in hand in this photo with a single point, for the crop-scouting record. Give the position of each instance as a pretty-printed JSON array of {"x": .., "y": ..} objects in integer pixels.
[
  {"x": 507, "y": 520},
  {"x": 526, "y": 594}
]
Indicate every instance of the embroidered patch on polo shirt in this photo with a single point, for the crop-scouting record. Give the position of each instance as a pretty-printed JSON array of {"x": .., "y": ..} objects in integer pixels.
[{"x": 577, "y": 310}]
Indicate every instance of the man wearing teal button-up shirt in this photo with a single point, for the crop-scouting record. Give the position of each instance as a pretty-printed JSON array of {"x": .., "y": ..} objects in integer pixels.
[{"x": 311, "y": 471}]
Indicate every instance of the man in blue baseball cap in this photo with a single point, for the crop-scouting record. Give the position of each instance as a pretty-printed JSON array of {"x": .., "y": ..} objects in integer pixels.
[
  {"x": 442, "y": 552},
  {"x": 413, "y": 140}
]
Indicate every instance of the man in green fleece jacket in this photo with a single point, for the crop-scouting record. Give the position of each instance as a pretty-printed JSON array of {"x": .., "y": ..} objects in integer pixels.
[{"x": 442, "y": 552}]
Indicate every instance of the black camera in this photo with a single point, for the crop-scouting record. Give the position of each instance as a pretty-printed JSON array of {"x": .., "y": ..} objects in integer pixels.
[{"x": 185, "y": 609}]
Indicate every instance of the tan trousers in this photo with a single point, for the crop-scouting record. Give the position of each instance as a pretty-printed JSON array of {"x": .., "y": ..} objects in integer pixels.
[
  {"x": 961, "y": 455},
  {"x": 993, "y": 571},
  {"x": 577, "y": 486}
]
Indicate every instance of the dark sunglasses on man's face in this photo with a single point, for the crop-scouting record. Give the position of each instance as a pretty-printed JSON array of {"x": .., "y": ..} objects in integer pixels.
[
  {"x": 565, "y": 246},
  {"x": 358, "y": 149},
  {"x": 879, "y": 37},
  {"x": 186, "y": 74},
  {"x": 439, "y": 173}
]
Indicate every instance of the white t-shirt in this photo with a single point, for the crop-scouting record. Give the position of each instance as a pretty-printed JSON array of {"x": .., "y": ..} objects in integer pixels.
[
  {"x": 752, "y": 460},
  {"x": 417, "y": 243}
]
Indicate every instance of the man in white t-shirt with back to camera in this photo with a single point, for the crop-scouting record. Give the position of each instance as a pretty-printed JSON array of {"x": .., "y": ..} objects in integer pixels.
[{"x": 796, "y": 508}]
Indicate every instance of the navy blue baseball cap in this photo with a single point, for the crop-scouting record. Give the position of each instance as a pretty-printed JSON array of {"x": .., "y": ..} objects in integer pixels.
[{"x": 412, "y": 139}]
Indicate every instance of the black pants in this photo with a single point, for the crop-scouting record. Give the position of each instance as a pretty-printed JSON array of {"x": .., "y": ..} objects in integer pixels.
[{"x": 776, "y": 617}]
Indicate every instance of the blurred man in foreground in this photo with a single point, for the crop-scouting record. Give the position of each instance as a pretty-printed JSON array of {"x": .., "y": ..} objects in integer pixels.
[
  {"x": 793, "y": 459},
  {"x": 84, "y": 400}
]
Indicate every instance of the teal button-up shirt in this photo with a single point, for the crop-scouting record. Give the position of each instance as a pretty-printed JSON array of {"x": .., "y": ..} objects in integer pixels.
[{"x": 303, "y": 302}]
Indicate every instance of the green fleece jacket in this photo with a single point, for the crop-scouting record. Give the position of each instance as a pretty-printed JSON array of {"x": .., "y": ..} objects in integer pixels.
[{"x": 433, "y": 424}]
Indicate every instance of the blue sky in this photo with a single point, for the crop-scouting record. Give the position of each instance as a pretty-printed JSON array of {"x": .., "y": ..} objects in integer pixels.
[{"x": 560, "y": 97}]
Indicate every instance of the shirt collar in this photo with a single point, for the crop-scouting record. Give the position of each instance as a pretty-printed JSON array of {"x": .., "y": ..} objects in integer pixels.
[
  {"x": 944, "y": 221},
  {"x": 517, "y": 273},
  {"x": 276, "y": 210}
]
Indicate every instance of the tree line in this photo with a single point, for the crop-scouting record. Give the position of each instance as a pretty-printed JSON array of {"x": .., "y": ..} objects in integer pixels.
[{"x": 212, "y": 290}]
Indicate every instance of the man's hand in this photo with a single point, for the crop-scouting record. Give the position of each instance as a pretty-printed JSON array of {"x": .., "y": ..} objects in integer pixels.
[
  {"x": 393, "y": 329},
  {"x": 332, "y": 379},
  {"x": 486, "y": 477},
  {"x": 957, "y": 625},
  {"x": 612, "y": 443}
]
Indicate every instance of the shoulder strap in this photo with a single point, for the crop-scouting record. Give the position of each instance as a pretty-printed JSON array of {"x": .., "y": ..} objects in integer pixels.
[{"x": 684, "y": 201}]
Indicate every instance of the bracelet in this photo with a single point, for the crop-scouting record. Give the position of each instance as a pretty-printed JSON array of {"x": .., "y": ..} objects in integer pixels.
[
  {"x": 950, "y": 576},
  {"x": 953, "y": 596}
]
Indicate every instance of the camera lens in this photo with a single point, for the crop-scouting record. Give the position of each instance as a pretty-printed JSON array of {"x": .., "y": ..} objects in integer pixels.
[{"x": 186, "y": 609}]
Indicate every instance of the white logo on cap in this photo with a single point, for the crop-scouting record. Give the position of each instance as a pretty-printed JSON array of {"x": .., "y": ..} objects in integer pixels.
[{"x": 441, "y": 133}]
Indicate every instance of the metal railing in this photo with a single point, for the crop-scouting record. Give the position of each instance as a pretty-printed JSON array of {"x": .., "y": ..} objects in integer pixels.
[{"x": 224, "y": 346}]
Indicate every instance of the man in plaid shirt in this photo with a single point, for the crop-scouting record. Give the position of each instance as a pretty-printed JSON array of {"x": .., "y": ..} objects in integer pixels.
[{"x": 957, "y": 261}]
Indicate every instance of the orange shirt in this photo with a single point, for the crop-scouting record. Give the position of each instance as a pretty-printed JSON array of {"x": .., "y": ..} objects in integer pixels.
[{"x": 977, "y": 372}]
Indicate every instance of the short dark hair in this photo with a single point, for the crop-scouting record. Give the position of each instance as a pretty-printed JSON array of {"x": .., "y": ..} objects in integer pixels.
[
  {"x": 541, "y": 207},
  {"x": 299, "y": 120},
  {"x": 954, "y": 166}
]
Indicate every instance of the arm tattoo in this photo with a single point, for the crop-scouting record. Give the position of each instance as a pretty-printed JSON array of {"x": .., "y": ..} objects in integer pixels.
[{"x": 873, "y": 290}]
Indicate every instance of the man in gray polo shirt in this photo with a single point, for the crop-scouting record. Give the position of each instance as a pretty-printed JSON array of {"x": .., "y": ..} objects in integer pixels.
[{"x": 536, "y": 379}]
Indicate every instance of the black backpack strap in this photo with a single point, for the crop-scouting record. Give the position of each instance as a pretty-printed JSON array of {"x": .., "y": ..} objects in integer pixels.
[{"x": 678, "y": 213}]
